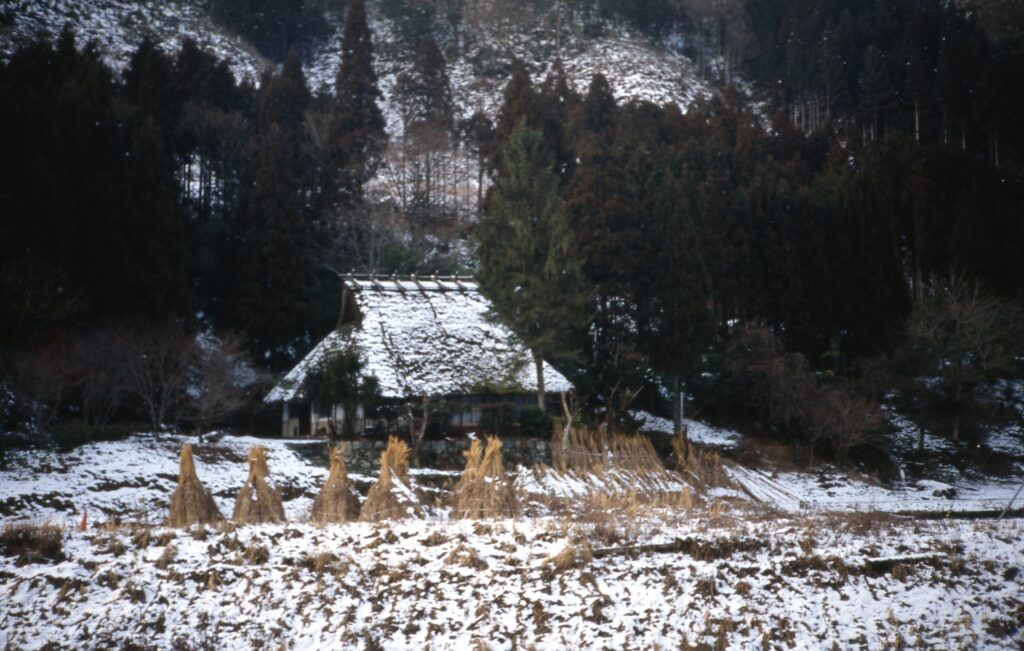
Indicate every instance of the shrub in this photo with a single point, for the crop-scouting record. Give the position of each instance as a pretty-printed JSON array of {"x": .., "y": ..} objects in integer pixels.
[
  {"x": 534, "y": 422},
  {"x": 783, "y": 390},
  {"x": 32, "y": 542}
]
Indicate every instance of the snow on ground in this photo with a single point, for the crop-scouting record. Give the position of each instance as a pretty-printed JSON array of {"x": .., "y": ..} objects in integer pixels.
[
  {"x": 827, "y": 489},
  {"x": 133, "y": 479},
  {"x": 544, "y": 483},
  {"x": 726, "y": 583},
  {"x": 117, "y": 27},
  {"x": 696, "y": 431},
  {"x": 136, "y": 476},
  {"x": 612, "y": 572}
]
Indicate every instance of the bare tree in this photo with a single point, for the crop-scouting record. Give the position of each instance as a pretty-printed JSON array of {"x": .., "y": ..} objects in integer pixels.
[
  {"x": 96, "y": 363},
  {"x": 43, "y": 383},
  {"x": 964, "y": 336},
  {"x": 221, "y": 375},
  {"x": 782, "y": 388},
  {"x": 418, "y": 427},
  {"x": 157, "y": 362},
  {"x": 842, "y": 421}
]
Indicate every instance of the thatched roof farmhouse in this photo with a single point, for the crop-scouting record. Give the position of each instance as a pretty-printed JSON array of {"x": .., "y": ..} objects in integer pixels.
[{"x": 420, "y": 337}]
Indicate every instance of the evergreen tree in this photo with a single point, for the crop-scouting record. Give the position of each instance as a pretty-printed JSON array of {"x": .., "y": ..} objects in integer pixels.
[
  {"x": 274, "y": 300},
  {"x": 425, "y": 93},
  {"x": 557, "y": 99},
  {"x": 529, "y": 267},
  {"x": 425, "y": 98},
  {"x": 148, "y": 84},
  {"x": 833, "y": 78},
  {"x": 275, "y": 26},
  {"x": 519, "y": 106},
  {"x": 153, "y": 279},
  {"x": 876, "y": 90},
  {"x": 356, "y": 136},
  {"x": 683, "y": 325}
]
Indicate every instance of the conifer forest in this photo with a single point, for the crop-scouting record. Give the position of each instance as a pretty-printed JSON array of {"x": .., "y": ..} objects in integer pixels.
[{"x": 762, "y": 259}]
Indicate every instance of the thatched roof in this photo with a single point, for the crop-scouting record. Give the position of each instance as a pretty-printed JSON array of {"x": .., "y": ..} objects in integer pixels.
[{"x": 425, "y": 337}]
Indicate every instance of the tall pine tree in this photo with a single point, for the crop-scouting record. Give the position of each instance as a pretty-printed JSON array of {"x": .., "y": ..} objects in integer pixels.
[
  {"x": 356, "y": 136},
  {"x": 274, "y": 296},
  {"x": 529, "y": 265}
]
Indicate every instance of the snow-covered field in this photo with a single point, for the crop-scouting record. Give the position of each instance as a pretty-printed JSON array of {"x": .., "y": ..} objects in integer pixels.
[
  {"x": 655, "y": 582},
  {"x": 132, "y": 480},
  {"x": 828, "y": 489},
  {"x": 589, "y": 564}
]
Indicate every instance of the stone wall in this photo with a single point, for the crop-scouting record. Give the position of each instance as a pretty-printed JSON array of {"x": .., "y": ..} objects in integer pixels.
[{"x": 363, "y": 457}]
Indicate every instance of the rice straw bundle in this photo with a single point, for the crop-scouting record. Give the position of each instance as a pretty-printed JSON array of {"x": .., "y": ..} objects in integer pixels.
[
  {"x": 484, "y": 490},
  {"x": 589, "y": 450},
  {"x": 337, "y": 501},
  {"x": 190, "y": 502},
  {"x": 391, "y": 497},
  {"x": 258, "y": 500}
]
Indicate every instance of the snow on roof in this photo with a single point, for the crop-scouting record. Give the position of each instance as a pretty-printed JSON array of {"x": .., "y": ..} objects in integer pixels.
[{"x": 421, "y": 336}]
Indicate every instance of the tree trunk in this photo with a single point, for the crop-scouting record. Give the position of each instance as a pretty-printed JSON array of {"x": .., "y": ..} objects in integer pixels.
[
  {"x": 541, "y": 397},
  {"x": 918, "y": 274},
  {"x": 679, "y": 414},
  {"x": 569, "y": 417},
  {"x": 956, "y": 405},
  {"x": 417, "y": 434},
  {"x": 917, "y": 123}
]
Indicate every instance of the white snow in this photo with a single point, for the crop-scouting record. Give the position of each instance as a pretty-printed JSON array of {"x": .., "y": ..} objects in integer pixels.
[
  {"x": 696, "y": 431},
  {"x": 134, "y": 478},
  {"x": 738, "y": 582},
  {"x": 661, "y": 575},
  {"x": 827, "y": 489},
  {"x": 427, "y": 337}
]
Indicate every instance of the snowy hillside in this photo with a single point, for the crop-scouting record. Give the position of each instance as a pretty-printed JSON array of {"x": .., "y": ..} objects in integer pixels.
[
  {"x": 591, "y": 562},
  {"x": 117, "y": 26},
  {"x": 656, "y": 581},
  {"x": 636, "y": 67}
]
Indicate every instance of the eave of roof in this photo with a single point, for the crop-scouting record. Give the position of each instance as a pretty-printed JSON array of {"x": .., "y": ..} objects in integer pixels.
[{"x": 427, "y": 336}]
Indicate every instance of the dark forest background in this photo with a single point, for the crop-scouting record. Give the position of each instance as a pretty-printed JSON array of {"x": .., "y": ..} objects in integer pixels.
[{"x": 842, "y": 217}]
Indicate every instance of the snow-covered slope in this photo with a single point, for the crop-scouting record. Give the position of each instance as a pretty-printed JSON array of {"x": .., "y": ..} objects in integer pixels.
[
  {"x": 637, "y": 67},
  {"x": 733, "y": 583},
  {"x": 117, "y": 27},
  {"x": 134, "y": 478}
]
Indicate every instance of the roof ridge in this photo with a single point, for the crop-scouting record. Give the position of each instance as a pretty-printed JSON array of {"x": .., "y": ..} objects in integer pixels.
[
  {"x": 411, "y": 282},
  {"x": 406, "y": 277}
]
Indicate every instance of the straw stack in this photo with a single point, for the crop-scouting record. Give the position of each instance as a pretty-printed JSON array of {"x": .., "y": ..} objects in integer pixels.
[
  {"x": 337, "y": 501},
  {"x": 190, "y": 502},
  {"x": 258, "y": 500},
  {"x": 484, "y": 490},
  {"x": 391, "y": 497}
]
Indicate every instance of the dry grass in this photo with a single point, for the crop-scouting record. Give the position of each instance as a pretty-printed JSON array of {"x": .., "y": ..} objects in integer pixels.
[
  {"x": 258, "y": 500},
  {"x": 190, "y": 502},
  {"x": 167, "y": 557},
  {"x": 320, "y": 561},
  {"x": 702, "y": 468},
  {"x": 574, "y": 554},
  {"x": 484, "y": 490},
  {"x": 32, "y": 542},
  {"x": 391, "y": 497},
  {"x": 337, "y": 501},
  {"x": 587, "y": 449},
  {"x": 256, "y": 554},
  {"x": 465, "y": 556}
]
